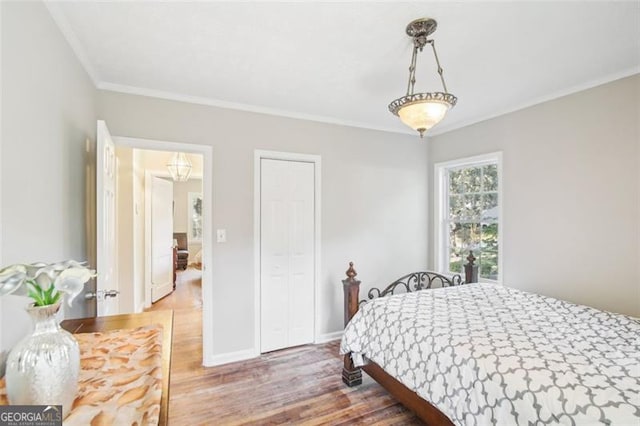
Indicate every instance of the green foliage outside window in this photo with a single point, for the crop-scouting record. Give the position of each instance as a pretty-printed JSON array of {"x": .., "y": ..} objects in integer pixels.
[{"x": 473, "y": 218}]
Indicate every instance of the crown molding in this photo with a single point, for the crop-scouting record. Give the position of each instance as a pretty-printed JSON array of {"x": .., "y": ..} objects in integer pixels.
[
  {"x": 132, "y": 90},
  {"x": 539, "y": 100},
  {"x": 61, "y": 21},
  {"x": 439, "y": 130}
]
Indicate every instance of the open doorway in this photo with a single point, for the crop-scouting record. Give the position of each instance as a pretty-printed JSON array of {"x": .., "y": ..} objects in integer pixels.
[
  {"x": 137, "y": 162},
  {"x": 159, "y": 226}
]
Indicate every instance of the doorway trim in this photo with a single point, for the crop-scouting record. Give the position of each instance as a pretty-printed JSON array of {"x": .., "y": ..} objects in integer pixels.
[
  {"x": 207, "y": 217},
  {"x": 258, "y": 155}
]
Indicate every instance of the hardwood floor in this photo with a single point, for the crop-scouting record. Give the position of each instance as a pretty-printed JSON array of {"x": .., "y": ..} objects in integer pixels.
[{"x": 300, "y": 385}]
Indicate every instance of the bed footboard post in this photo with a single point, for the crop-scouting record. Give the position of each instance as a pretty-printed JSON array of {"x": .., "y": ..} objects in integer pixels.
[
  {"x": 471, "y": 270},
  {"x": 351, "y": 293},
  {"x": 351, "y": 375}
]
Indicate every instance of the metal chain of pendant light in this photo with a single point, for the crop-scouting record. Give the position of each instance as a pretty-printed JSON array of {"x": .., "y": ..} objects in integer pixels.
[{"x": 422, "y": 111}]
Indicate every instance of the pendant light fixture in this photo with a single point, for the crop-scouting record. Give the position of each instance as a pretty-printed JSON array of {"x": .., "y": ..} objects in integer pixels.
[
  {"x": 180, "y": 167},
  {"x": 422, "y": 111}
]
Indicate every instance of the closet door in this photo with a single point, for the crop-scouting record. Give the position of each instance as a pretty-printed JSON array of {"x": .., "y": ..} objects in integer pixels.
[{"x": 286, "y": 253}]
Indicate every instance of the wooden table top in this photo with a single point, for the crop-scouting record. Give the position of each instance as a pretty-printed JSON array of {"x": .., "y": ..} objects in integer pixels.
[{"x": 115, "y": 322}]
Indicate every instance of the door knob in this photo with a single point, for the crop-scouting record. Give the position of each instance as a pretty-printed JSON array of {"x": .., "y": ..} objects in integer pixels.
[
  {"x": 111, "y": 293},
  {"x": 101, "y": 294}
]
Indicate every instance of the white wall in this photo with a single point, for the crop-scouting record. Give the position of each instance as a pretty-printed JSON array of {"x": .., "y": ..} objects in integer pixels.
[
  {"x": 181, "y": 211},
  {"x": 47, "y": 114},
  {"x": 374, "y": 198},
  {"x": 3, "y": 354},
  {"x": 571, "y": 177}
]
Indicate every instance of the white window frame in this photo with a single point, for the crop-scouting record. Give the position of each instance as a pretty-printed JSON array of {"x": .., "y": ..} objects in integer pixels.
[
  {"x": 441, "y": 195},
  {"x": 191, "y": 198}
]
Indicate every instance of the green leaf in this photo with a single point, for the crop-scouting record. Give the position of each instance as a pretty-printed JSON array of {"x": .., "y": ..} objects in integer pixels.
[{"x": 42, "y": 297}]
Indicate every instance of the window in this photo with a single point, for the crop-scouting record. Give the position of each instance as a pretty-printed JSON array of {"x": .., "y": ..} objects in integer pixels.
[
  {"x": 468, "y": 200},
  {"x": 195, "y": 216}
]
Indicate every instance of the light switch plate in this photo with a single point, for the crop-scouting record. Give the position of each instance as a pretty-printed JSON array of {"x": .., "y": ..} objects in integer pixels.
[{"x": 221, "y": 235}]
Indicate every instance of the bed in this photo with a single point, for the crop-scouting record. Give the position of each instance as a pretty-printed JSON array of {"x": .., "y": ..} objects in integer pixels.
[
  {"x": 197, "y": 260},
  {"x": 483, "y": 354}
]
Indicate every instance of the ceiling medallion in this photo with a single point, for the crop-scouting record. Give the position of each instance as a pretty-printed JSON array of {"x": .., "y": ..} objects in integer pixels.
[{"x": 422, "y": 111}]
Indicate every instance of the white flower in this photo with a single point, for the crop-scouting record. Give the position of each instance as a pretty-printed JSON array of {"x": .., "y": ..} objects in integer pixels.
[
  {"x": 72, "y": 280},
  {"x": 68, "y": 276},
  {"x": 52, "y": 270},
  {"x": 11, "y": 278}
]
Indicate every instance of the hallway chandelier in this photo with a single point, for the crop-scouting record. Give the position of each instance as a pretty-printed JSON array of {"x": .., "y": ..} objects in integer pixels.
[
  {"x": 422, "y": 111},
  {"x": 180, "y": 167}
]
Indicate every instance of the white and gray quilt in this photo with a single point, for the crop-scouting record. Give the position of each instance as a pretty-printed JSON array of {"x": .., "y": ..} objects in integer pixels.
[{"x": 486, "y": 354}]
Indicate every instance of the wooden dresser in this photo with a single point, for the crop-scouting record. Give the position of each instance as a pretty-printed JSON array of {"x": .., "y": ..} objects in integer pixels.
[{"x": 115, "y": 322}]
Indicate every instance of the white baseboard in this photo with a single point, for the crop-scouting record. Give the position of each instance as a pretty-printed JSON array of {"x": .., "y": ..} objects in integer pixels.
[
  {"x": 229, "y": 357},
  {"x": 243, "y": 355},
  {"x": 328, "y": 337},
  {"x": 140, "y": 307}
]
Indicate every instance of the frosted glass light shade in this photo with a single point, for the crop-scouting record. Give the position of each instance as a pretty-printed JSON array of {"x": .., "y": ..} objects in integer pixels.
[
  {"x": 179, "y": 167},
  {"x": 423, "y": 115},
  {"x": 422, "y": 111}
]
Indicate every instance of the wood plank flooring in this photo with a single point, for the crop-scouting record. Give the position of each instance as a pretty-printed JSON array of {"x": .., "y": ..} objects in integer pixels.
[{"x": 294, "y": 386}]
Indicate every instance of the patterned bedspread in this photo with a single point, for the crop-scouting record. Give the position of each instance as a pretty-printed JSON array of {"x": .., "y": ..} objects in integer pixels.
[{"x": 487, "y": 354}]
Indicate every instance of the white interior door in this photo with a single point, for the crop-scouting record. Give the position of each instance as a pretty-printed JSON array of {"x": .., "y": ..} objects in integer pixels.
[
  {"x": 286, "y": 253},
  {"x": 106, "y": 258},
  {"x": 161, "y": 237}
]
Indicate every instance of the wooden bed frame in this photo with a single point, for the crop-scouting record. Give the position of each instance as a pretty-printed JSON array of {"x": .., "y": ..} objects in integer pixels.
[{"x": 352, "y": 376}]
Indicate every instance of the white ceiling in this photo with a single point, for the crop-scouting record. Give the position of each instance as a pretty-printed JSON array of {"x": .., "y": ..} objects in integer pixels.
[{"x": 343, "y": 62}]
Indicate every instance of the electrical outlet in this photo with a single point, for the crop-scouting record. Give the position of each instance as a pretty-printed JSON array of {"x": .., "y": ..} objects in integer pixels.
[{"x": 221, "y": 235}]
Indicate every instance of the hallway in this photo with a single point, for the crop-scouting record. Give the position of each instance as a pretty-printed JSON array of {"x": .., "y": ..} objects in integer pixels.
[{"x": 187, "y": 295}]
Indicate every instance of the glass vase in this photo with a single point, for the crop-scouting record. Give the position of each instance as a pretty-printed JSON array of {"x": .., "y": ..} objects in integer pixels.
[{"x": 43, "y": 368}]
